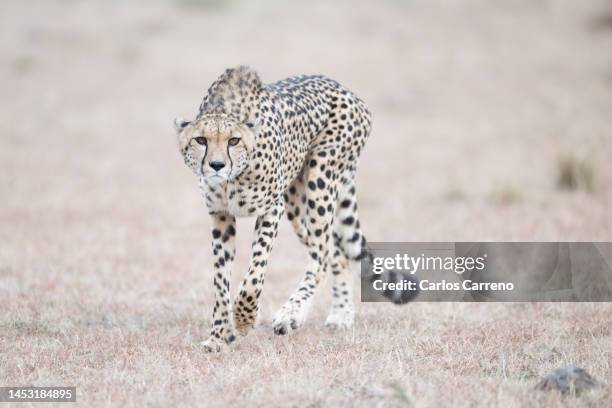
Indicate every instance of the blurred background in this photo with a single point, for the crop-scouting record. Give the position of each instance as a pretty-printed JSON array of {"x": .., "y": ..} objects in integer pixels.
[{"x": 492, "y": 121}]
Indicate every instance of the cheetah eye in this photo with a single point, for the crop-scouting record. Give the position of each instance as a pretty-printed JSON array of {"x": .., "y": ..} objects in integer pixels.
[
  {"x": 201, "y": 140},
  {"x": 233, "y": 141}
]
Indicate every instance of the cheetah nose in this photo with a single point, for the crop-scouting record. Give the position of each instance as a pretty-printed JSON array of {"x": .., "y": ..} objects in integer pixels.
[{"x": 216, "y": 165}]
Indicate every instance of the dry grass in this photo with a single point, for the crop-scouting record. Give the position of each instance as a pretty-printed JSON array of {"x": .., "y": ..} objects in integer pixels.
[
  {"x": 105, "y": 254},
  {"x": 575, "y": 174}
]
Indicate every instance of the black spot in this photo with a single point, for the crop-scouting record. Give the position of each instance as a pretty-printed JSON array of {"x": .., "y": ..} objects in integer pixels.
[{"x": 231, "y": 230}]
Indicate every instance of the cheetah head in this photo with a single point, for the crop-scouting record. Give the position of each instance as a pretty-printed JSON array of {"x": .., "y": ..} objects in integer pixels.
[{"x": 216, "y": 147}]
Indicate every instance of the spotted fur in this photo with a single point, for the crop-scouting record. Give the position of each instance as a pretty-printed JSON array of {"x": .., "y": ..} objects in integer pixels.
[{"x": 263, "y": 150}]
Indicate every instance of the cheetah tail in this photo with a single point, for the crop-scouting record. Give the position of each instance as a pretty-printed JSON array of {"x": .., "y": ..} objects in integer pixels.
[{"x": 398, "y": 297}]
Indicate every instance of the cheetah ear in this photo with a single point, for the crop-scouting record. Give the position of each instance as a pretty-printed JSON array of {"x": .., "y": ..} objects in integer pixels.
[
  {"x": 183, "y": 140},
  {"x": 180, "y": 124}
]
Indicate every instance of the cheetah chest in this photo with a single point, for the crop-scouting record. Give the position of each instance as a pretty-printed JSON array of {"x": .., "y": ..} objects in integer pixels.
[{"x": 238, "y": 200}]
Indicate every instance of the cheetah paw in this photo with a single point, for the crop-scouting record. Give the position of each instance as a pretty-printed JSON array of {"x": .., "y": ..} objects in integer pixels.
[
  {"x": 290, "y": 317},
  {"x": 340, "y": 319},
  {"x": 215, "y": 344}
]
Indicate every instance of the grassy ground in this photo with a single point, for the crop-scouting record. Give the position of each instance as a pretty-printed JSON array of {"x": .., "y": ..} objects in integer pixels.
[{"x": 105, "y": 277}]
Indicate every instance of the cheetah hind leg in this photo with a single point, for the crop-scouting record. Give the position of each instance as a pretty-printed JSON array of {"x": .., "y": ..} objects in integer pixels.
[
  {"x": 342, "y": 313},
  {"x": 348, "y": 241},
  {"x": 316, "y": 207}
]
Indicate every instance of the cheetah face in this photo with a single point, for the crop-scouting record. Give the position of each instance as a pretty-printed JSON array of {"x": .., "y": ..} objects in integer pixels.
[{"x": 215, "y": 147}]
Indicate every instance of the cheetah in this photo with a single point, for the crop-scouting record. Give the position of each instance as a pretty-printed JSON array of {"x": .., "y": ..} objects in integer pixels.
[{"x": 264, "y": 150}]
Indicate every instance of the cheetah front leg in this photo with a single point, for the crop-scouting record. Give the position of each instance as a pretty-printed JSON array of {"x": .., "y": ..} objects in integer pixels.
[
  {"x": 224, "y": 250},
  {"x": 246, "y": 303}
]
